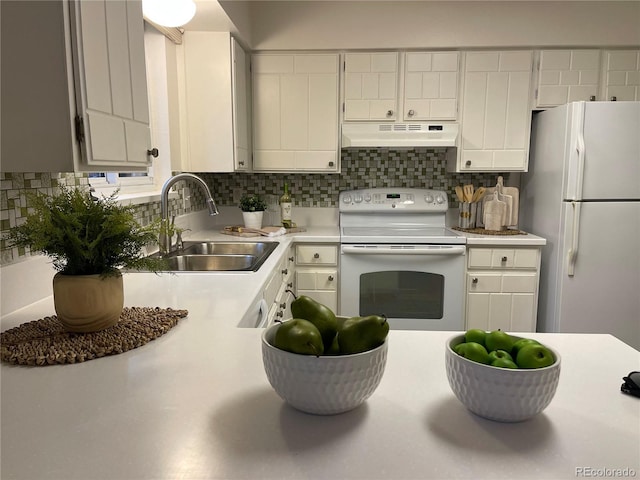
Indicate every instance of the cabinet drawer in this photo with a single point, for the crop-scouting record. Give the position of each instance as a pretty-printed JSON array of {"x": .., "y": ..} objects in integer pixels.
[
  {"x": 484, "y": 283},
  {"x": 316, "y": 255},
  {"x": 503, "y": 258},
  {"x": 316, "y": 280}
]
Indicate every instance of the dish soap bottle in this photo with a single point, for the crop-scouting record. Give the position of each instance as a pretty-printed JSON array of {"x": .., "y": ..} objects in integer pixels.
[{"x": 285, "y": 207}]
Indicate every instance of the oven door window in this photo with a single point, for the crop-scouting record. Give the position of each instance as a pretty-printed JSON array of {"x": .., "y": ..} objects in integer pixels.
[{"x": 402, "y": 294}]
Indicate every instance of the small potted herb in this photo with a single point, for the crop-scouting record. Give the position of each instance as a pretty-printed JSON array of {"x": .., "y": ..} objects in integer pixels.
[
  {"x": 253, "y": 208},
  {"x": 89, "y": 240}
]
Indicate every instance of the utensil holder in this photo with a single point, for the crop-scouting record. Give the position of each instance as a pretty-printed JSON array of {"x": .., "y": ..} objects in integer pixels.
[{"x": 467, "y": 217}]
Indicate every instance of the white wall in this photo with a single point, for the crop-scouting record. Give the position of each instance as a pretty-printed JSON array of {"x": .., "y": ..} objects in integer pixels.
[{"x": 303, "y": 25}]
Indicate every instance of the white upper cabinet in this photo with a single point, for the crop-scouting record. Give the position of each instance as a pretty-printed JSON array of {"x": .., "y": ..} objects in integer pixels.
[
  {"x": 431, "y": 86},
  {"x": 565, "y": 76},
  {"x": 89, "y": 111},
  {"x": 217, "y": 104},
  {"x": 496, "y": 115},
  {"x": 295, "y": 112},
  {"x": 371, "y": 86},
  {"x": 621, "y": 76}
]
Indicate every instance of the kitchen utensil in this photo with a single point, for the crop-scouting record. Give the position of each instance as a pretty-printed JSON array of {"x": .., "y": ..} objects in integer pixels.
[
  {"x": 467, "y": 191},
  {"x": 478, "y": 194},
  {"x": 514, "y": 192},
  {"x": 459, "y": 193},
  {"x": 501, "y": 394}
]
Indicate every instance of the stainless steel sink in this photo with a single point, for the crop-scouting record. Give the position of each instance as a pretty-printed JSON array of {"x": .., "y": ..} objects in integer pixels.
[{"x": 205, "y": 256}]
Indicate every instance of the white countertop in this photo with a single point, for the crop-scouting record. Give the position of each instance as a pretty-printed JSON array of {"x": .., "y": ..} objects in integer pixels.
[
  {"x": 520, "y": 240},
  {"x": 196, "y": 404}
]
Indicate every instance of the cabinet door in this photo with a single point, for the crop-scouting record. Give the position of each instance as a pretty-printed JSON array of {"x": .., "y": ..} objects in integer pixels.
[
  {"x": 295, "y": 112},
  {"x": 495, "y": 114},
  {"x": 241, "y": 112},
  {"x": 209, "y": 110},
  {"x": 622, "y": 75},
  {"x": 112, "y": 83},
  {"x": 431, "y": 85},
  {"x": 567, "y": 76},
  {"x": 371, "y": 86}
]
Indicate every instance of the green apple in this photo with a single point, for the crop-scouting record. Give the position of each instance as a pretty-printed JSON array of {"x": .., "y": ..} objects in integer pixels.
[
  {"x": 498, "y": 340},
  {"x": 499, "y": 354},
  {"x": 503, "y": 363},
  {"x": 474, "y": 351},
  {"x": 534, "y": 356},
  {"x": 475, "y": 335},
  {"x": 521, "y": 343}
]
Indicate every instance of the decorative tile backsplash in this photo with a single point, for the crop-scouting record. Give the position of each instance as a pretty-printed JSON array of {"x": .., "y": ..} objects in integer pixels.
[{"x": 365, "y": 168}]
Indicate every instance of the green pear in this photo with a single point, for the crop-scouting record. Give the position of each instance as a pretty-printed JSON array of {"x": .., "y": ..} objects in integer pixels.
[
  {"x": 320, "y": 315},
  {"x": 299, "y": 336},
  {"x": 359, "y": 334}
]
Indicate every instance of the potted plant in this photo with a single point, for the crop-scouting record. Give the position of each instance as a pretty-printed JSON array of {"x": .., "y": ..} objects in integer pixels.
[
  {"x": 89, "y": 241},
  {"x": 253, "y": 208}
]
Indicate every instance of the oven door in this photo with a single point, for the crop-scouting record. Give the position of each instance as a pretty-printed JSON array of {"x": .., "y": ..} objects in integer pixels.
[{"x": 417, "y": 287}]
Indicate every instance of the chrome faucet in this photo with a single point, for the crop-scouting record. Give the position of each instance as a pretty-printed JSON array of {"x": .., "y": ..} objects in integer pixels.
[{"x": 165, "y": 239}]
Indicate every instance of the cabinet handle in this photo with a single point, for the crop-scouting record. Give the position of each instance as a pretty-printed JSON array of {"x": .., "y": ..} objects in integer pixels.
[
  {"x": 474, "y": 280},
  {"x": 411, "y": 113},
  {"x": 290, "y": 285},
  {"x": 389, "y": 113},
  {"x": 467, "y": 163},
  {"x": 241, "y": 164},
  {"x": 283, "y": 305},
  {"x": 592, "y": 98},
  {"x": 614, "y": 98},
  {"x": 291, "y": 259},
  {"x": 153, "y": 152},
  {"x": 285, "y": 271},
  {"x": 331, "y": 278},
  {"x": 504, "y": 259},
  {"x": 316, "y": 255},
  {"x": 331, "y": 164},
  {"x": 279, "y": 313}
]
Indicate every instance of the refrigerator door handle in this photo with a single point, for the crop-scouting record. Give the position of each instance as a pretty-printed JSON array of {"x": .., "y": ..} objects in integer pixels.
[
  {"x": 572, "y": 253},
  {"x": 576, "y": 164}
]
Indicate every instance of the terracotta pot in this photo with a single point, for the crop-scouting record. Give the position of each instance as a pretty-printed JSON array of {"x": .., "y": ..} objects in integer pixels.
[
  {"x": 253, "y": 219},
  {"x": 88, "y": 303}
]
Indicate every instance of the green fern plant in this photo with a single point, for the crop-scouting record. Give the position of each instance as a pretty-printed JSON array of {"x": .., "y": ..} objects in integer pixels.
[
  {"x": 84, "y": 235},
  {"x": 252, "y": 203}
]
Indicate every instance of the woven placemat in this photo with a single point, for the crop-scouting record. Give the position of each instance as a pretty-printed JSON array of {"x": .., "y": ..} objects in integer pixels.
[
  {"x": 482, "y": 231},
  {"x": 46, "y": 342}
]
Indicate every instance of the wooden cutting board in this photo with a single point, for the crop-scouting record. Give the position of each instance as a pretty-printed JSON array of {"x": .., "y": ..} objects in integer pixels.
[
  {"x": 494, "y": 212},
  {"x": 240, "y": 231}
]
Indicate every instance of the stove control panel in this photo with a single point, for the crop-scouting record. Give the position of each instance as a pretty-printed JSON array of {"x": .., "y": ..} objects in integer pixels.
[{"x": 390, "y": 199}]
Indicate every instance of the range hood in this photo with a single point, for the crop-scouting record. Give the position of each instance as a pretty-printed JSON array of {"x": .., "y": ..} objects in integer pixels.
[{"x": 399, "y": 135}]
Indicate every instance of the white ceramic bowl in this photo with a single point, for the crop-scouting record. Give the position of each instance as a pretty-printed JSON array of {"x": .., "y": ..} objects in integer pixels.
[
  {"x": 502, "y": 394},
  {"x": 325, "y": 385}
]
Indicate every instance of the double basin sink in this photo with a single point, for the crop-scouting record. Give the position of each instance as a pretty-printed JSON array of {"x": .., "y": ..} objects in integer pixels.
[{"x": 206, "y": 256}]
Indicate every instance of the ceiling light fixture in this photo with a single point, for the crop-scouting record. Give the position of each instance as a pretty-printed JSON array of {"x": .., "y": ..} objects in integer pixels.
[{"x": 169, "y": 13}]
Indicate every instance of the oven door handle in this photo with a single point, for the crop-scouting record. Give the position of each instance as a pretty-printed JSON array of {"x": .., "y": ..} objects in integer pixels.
[{"x": 404, "y": 250}]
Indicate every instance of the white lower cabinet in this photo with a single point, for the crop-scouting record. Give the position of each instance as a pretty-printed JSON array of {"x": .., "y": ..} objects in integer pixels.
[
  {"x": 277, "y": 292},
  {"x": 317, "y": 273},
  {"x": 502, "y": 288}
]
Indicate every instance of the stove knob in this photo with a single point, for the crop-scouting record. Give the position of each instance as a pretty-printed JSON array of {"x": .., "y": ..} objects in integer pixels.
[
  {"x": 358, "y": 199},
  {"x": 367, "y": 197},
  {"x": 428, "y": 198},
  {"x": 346, "y": 199},
  {"x": 440, "y": 199}
]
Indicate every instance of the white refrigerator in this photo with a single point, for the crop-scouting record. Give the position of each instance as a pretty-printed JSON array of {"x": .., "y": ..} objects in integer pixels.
[{"x": 582, "y": 193}]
